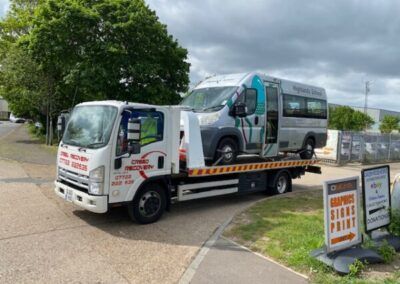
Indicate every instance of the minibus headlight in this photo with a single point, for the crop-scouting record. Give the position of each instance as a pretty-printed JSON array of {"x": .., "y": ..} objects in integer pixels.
[
  {"x": 209, "y": 118},
  {"x": 96, "y": 181}
]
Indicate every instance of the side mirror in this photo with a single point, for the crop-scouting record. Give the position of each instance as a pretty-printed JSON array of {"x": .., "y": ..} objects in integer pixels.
[
  {"x": 61, "y": 124},
  {"x": 240, "y": 109},
  {"x": 134, "y": 129}
]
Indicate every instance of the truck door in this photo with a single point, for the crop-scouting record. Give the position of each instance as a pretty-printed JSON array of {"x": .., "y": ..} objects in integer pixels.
[
  {"x": 270, "y": 143},
  {"x": 129, "y": 171}
]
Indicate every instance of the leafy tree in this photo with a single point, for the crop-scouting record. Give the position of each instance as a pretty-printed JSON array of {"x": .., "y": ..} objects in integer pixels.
[
  {"x": 346, "y": 118},
  {"x": 389, "y": 123},
  {"x": 82, "y": 50},
  {"x": 108, "y": 49}
]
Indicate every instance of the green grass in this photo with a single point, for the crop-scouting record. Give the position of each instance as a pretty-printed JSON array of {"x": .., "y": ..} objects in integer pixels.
[{"x": 288, "y": 228}]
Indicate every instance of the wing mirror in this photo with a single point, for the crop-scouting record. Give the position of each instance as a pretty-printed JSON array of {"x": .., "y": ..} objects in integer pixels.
[
  {"x": 240, "y": 109},
  {"x": 134, "y": 128}
]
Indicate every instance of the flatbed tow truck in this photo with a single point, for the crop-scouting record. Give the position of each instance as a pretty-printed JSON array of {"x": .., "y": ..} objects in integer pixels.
[{"x": 106, "y": 159}]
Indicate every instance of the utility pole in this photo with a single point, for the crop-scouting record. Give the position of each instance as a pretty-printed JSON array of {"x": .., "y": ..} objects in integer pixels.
[{"x": 367, "y": 89}]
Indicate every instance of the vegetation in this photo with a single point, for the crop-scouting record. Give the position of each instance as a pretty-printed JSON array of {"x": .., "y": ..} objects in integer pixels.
[
  {"x": 57, "y": 53},
  {"x": 287, "y": 229},
  {"x": 346, "y": 118},
  {"x": 394, "y": 227},
  {"x": 389, "y": 123}
]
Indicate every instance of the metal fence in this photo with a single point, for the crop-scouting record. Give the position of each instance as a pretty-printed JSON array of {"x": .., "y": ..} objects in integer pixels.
[{"x": 345, "y": 147}]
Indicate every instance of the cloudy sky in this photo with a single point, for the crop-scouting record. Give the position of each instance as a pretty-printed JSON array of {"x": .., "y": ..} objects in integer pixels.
[{"x": 337, "y": 45}]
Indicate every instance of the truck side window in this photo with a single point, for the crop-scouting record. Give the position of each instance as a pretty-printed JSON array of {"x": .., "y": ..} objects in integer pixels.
[{"x": 152, "y": 126}]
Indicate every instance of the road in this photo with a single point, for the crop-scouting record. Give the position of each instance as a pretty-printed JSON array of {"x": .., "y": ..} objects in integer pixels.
[
  {"x": 6, "y": 127},
  {"x": 44, "y": 239}
]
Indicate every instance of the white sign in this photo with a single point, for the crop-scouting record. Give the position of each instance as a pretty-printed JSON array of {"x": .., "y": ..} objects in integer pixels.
[
  {"x": 330, "y": 150},
  {"x": 376, "y": 189},
  {"x": 341, "y": 207}
]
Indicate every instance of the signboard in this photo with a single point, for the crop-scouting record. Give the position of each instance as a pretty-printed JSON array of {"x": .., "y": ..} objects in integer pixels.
[
  {"x": 329, "y": 152},
  {"x": 341, "y": 207},
  {"x": 376, "y": 193}
]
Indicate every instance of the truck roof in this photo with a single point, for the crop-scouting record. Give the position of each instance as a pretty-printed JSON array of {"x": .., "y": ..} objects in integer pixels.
[{"x": 119, "y": 104}]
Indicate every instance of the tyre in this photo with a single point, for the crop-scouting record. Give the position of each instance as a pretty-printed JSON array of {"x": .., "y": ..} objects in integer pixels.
[
  {"x": 282, "y": 183},
  {"x": 308, "y": 150},
  {"x": 148, "y": 205},
  {"x": 226, "y": 152}
]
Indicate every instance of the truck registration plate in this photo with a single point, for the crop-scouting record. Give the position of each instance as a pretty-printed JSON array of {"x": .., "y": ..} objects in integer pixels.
[{"x": 68, "y": 195}]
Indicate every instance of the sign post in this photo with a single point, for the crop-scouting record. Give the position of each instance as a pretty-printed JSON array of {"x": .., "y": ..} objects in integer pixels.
[
  {"x": 376, "y": 195},
  {"x": 342, "y": 227},
  {"x": 341, "y": 202}
]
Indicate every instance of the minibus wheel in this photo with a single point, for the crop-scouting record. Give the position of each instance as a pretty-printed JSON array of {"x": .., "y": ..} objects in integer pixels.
[
  {"x": 308, "y": 151},
  {"x": 148, "y": 205},
  {"x": 226, "y": 152}
]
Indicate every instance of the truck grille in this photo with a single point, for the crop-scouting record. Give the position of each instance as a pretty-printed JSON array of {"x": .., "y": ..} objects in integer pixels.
[{"x": 80, "y": 182}]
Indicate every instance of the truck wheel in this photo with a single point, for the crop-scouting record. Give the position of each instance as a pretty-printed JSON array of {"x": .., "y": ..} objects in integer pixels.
[
  {"x": 148, "y": 205},
  {"x": 308, "y": 150},
  {"x": 226, "y": 152},
  {"x": 282, "y": 183}
]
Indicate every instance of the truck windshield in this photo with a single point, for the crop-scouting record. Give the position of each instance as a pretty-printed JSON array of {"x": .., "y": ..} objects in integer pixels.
[
  {"x": 90, "y": 126},
  {"x": 208, "y": 99}
]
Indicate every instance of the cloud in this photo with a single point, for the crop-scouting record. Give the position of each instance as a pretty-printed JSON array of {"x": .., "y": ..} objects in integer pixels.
[{"x": 334, "y": 44}]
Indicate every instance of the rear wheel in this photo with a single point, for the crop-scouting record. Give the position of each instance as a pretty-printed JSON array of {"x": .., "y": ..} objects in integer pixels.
[
  {"x": 226, "y": 152},
  {"x": 282, "y": 183},
  {"x": 148, "y": 205},
  {"x": 308, "y": 150}
]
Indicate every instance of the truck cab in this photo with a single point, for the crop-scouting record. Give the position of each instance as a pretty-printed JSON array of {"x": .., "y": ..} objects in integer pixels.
[{"x": 96, "y": 164}]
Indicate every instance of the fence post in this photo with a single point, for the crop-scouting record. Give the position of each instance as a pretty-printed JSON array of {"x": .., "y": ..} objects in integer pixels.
[
  {"x": 390, "y": 145},
  {"x": 339, "y": 150}
]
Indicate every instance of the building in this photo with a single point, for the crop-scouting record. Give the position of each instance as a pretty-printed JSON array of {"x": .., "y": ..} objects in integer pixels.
[
  {"x": 375, "y": 113},
  {"x": 4, "y": 111}
]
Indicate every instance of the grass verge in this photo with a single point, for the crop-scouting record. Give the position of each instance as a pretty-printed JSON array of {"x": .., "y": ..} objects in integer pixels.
[{"x": 288, "y": 228}]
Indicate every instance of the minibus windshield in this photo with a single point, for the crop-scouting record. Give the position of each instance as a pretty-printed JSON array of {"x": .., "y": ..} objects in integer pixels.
[
  {"x": 208, "y": 99},
  {"x": 90, "y": 126}
]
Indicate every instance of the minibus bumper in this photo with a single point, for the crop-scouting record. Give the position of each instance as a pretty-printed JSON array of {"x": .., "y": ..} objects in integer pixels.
[{"x": 96, "y": 204}]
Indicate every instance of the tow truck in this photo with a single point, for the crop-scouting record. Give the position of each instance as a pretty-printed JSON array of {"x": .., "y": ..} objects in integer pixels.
[{"x": 108, "y": 157}]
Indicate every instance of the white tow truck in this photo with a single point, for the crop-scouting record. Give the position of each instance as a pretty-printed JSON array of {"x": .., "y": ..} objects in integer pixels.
[{"x": 117, "y": 153}]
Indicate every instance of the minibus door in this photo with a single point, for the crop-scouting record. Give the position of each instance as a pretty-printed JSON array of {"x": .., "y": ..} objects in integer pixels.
[{"x": 271, "y": 140}]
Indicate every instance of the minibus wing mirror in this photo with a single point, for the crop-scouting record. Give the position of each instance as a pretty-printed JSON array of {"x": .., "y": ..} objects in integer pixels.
[{"x": 240, "y": 109}]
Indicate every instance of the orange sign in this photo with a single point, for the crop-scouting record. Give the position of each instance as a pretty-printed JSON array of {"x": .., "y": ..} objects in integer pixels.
[{"x": 341, "y": 213}]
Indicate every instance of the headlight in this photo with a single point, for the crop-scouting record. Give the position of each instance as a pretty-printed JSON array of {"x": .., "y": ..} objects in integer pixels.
[
  {"x": 96, "y": 181},
  {"x": 207, "y": 119}
]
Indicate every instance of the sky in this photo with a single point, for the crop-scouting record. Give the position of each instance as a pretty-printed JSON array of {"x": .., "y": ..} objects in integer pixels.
[{"x": 337, "y": 45}]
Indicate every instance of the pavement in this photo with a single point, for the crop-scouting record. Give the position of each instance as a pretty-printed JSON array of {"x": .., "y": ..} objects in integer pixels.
[{"x": 44, "y": 239}]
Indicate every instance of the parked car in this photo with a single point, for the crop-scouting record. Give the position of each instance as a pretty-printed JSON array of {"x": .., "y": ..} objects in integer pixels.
[{"x": 16, "y": 119}]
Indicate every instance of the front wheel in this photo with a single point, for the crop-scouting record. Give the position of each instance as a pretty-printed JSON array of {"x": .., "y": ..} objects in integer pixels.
[
  {"x": 226, "y": 152},
  {"x": 308, "y": 150},
  {"x": 149, "y": 204}
]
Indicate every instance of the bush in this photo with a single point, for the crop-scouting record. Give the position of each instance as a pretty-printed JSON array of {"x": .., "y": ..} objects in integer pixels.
[
  {"x": 387, "y": 252},
  {"x": 394, "y": 227}
]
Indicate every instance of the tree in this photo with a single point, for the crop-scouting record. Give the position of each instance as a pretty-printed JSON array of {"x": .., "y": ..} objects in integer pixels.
[
  {"x": 346, "y": 118},
  {"x": 108, "y": 49},
  {"x": 87, "y": 50},
  {"x": 389, "y": 123}
]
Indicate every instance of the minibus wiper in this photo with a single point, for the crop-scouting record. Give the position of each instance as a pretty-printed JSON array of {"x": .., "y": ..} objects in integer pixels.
[
  {"x": 210, "y": 108},
  {"x": 94, "y": 144}
]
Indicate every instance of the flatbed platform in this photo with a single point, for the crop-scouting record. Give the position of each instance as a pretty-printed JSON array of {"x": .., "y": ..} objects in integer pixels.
[{"x": 245, "y": 167}]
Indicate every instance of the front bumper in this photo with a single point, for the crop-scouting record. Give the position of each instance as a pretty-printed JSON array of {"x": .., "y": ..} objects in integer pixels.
[{"x": 96, "y": 204}]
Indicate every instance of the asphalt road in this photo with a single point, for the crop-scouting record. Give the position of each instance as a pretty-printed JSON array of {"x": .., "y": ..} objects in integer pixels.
[{"x": 6, "y": 127}]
